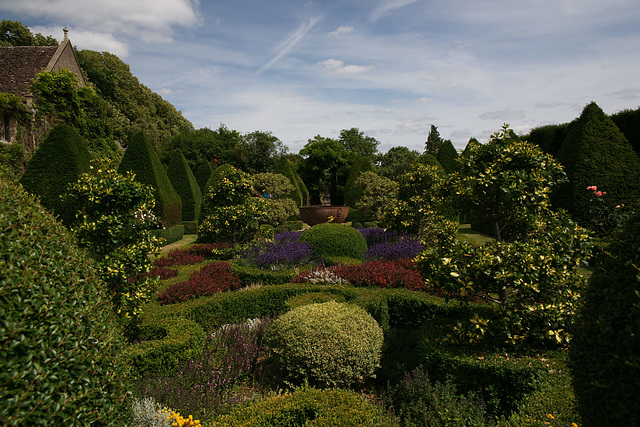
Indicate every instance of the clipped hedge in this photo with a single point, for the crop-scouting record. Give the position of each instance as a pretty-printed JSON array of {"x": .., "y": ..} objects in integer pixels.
[
  {"x": 185, "y": 184},
  {"x": 286, "y": 168},
  {"x": 170, "y": 235},
  {"x": 165, "y": 343},
  {"x": 202, "y": 173},
  {"x": 59, "y": 340},
  {"x": 141, "y": 159},
  {"x": 59, "y": 161},
  {"x": 335, "y": 240},
  {"x": 305, "y": 407},
  {"x": 252, "y": 275}
]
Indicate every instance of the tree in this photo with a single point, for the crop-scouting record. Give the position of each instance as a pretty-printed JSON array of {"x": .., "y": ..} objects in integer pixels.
[
  {"x": 323, "y": 168},
  {"x": 260, "y": 152},
  {"x": 13, "y": 33},
  {"x": 434, "y": 142},
  {"x": 351, "y": 192},
  {"x": 185, "y": 184},
  {"x": 357, "y": 144},
  {"x": 220, "y": 146},
  {"x": 396, "y": 162},
  {"x": 505, "y": 181},
  {"x": 275, "y": 188}
]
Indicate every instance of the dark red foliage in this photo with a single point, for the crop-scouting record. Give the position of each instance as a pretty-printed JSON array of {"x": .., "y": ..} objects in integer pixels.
[
  {"x": 163, "y": 272},
  {"x": 383, "y": 274},
  {"x": 210, "y": 279},
  {"x": 178, "y": 257},
  {"x": 208, "y": 249}
]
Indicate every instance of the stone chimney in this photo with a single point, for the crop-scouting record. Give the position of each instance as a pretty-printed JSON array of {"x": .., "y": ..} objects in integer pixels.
[{"x": 65, "y": 30}]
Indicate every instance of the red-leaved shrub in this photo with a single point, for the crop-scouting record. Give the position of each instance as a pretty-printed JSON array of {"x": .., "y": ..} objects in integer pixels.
[
  {"x": 208, "y": 249},
  {"x": 210, "y": 279},
  {"x": 163, "y": 272},
  {"x": 178, "y": 257},
  {"x": 383, "y": 274}
]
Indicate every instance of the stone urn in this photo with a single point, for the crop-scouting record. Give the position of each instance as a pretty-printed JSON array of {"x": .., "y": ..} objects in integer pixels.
[{"x": 313, "y": 215}]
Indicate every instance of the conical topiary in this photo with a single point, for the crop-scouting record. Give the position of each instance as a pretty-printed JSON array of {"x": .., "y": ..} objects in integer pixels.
[
  {"x": 351, "y": 193},
  {"x": 448, "y": 157},
  {"x": 596, "y": 153},
  {"x": 203, "y": 173},
  {"x": 141, "y": 159},
  {"x": 185, "y": 184},
  {"x": 58, "y": 161}
]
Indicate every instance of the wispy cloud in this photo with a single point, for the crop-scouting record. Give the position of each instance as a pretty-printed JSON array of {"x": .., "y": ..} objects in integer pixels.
[
  {"x": 289, "y": 42},
  {"x": 387, "y": 6}
]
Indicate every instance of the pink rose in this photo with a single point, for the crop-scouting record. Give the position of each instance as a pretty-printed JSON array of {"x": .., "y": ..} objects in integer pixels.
[
  {"x": 592, "y": 187},
  {"x": 598, "y": 193}
]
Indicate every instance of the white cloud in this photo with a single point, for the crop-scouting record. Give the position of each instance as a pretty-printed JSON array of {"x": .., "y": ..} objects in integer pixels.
[
  {"x": 338, "y": 67},
  {"x": 425, "y": 99},
  {"x": 344, "y": 29},
  {"x": 505, "y": 115},
  {"x": 150, "y": 20},
  {"x": 86, "y": 39}
]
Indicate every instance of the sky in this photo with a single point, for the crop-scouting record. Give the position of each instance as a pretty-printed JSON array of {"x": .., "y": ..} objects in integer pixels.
[{"x": 391, "y": 68}]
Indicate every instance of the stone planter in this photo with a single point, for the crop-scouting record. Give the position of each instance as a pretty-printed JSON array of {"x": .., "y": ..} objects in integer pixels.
[{"x": 313, "y": 215}]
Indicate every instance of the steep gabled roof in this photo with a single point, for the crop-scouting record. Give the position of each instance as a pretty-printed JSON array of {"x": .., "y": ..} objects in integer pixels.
[{"x": 19, "y": 65}]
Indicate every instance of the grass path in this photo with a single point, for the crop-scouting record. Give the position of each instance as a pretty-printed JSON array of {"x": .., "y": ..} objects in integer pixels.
[{"x": 187, "y": 239}]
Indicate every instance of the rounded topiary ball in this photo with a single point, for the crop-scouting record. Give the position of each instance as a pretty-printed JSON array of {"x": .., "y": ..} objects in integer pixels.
[
  {"x": 60, "y": 347},
  {"x": 335, "y": 240},
  {"x": 330, "y": 344}
]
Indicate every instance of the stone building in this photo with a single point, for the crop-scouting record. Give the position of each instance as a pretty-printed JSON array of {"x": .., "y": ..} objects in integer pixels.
[{"x": 19, "y": 65}]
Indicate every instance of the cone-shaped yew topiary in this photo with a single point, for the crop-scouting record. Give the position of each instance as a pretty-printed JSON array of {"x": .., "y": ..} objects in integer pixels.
[
  {"x": 185, "y": 184},
  {"x": 59, "y": 161},
  {"x": 141, "y": 159}
]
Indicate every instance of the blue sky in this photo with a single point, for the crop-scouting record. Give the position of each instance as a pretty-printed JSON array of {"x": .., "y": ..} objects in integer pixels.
[{"x": 391, "y": 68}]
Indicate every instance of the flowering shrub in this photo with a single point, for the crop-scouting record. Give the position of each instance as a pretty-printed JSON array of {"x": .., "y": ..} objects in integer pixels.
[
  {"x": 113, "y": 224},
  {"x": 383, "y": 274},
  {"x": 287, "y": 236},
  {"x": 178, "y": 257},
  {"x": 322, "y": 276},
  {"x": 376, "y": 235},
  {"x": 604, "y": 218},
  {"x": 404, "y": 247},
  {"x": 210, "y": 279},
  {"x": 204, "y": 383},
  {"x": 278, "y": 254}
]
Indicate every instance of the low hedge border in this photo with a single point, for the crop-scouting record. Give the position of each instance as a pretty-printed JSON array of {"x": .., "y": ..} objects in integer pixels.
[
  {"x": 253, "y": 275},
  {"x": 170, "y": 235},
  {"x": 190, "y": 227},
  {"x": 165, "y": 343}
]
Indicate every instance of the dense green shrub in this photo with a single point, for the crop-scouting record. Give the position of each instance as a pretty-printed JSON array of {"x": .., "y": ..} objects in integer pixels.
[
  {"x": 595, "y": 152},
  {"x": 275, "y": 188},
  {"x": 141, "y": 159},
  {"x": 605, "y": 353},
  {"x": 429, "y": 160},
  {"x": 448, "y": 157},
  {"x": 330, "y": 344},
  {"x": 185, "y": 184},
  {"x": 165, "y": 343},
  {"x": 230, "y": 211},
  {"x": 202, "y": 173},
  {"x": 253, "y": 275},
  {"x": 59, "y": 341},
  {"x": 419, "y": 402},
  {"x": 549, "y": 138},
  {"x": 308, "y": 406},
  {"x": 378, "y": 192},
  {"x": 313, "y": 298},
  {"x": 59, "y": 161},
  {"x": 334, "y": 240}
]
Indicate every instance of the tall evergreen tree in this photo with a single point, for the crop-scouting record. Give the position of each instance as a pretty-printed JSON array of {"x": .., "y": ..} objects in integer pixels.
[
  {"x": 203, "y": 173},
  {"x": 434, "y": 142},
  {"x": 186, "y": 185}
]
